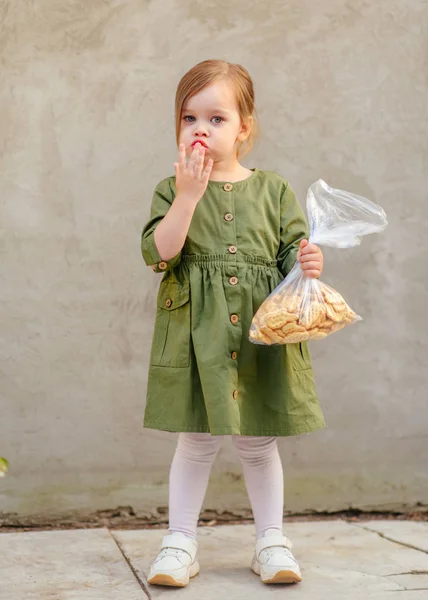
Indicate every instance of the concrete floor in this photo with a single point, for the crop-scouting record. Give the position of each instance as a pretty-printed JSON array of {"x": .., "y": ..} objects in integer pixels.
[{"x": 364, "y": 560}]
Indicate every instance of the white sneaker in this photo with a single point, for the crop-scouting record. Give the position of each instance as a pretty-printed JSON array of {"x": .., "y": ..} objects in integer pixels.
[
  {"x": 273, "y": 559},
  {"x": 176, "y": 562}
]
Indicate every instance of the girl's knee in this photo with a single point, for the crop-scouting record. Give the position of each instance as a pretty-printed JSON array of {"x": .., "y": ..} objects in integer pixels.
[
  {"x": 198, "y": 446},
  {"x": 255, "y": 449}
]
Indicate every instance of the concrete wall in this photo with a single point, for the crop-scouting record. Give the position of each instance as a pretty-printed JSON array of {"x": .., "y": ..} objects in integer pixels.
[{"x": 86, "y": 132}]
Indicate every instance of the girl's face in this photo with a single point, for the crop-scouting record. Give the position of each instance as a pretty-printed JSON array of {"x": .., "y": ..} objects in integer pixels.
[{"x": 211, "y": 117}]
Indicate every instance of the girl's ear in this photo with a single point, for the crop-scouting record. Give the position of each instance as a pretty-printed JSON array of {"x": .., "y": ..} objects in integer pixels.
[{"x": 246, "y": 127}]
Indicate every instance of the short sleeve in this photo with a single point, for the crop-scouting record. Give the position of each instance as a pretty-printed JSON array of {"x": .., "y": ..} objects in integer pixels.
[
  {"x": 294, "y": 229},
  {"x": 161, "y": 203}
]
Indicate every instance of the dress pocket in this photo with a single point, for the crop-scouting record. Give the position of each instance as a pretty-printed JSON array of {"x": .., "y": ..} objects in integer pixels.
[
  {"x": 299, "y": 356},
  {"x": 171, "y": 339}
]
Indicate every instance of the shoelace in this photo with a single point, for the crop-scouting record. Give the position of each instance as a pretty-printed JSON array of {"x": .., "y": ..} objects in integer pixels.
[
  {"x": 167, "y": 552},
  {"x": 269, "y": 552}
]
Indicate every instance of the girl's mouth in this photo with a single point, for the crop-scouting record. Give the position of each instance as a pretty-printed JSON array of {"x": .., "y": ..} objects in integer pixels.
[{"x": 199, "y": 142}]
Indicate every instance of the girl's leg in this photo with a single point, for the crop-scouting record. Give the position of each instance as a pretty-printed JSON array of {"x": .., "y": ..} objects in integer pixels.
[
  {"x": 264, "y": 479},
  {"x": 261, "y": 462},
  {"x": 188, "y": 480}
]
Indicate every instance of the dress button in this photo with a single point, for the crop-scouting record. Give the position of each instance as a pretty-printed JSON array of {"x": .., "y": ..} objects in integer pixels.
[
  {"x": 234, "y": 355},
  {"x": 163, "y": 265},
  {"x": 228, "y": 217},
  {"x": 233, "y": 249},
  {"x": 235, "y": 394},
  {"x": 228, "y": 187},
  {"x": 233, "y": 280},
  {"x": 234, "y": 319},
  {"x": 168, "y": 303}
]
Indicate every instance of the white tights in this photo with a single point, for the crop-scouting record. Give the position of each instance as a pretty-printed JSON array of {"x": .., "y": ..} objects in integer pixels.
[{"x": 190, "y": 472}]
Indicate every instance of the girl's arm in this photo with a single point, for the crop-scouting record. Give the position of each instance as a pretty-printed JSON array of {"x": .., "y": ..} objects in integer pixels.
[
  {"x": 171, "y": 232},
  {"x": 294, "y": 235},
  {"x": 191, "y": 182},
  {"x": 161, "y": 203},
  {"x": 293, "y": 229}
]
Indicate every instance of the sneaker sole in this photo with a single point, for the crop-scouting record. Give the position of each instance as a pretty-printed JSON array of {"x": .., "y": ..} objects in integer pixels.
[
  {"x": 284, "y": 577},
  {"x": 169, "y": 581}
]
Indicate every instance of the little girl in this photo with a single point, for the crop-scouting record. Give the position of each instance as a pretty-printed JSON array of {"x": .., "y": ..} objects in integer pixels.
[{"x": 224, "y": 237}]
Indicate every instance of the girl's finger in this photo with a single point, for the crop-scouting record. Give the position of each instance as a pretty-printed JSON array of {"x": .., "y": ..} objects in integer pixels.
[
  {"x": 309, "y": 257},
  {"x": 207, "y": 171},
  {"x": 311, "y": 249},
  {"x": 314, "y": 274},
  {"x": 182, "y": 156},
  {"x": 199, "y": 167},
  {"x": 192, "y": 160},
  {"x": 191, "y": 167},
  {"x": 311, "y": 266}
]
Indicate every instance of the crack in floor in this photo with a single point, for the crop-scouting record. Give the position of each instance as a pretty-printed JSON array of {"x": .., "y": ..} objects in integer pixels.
[
  {"x": 408, "y": 573},
  {"x": 131, "y": 566},
  {"x": 409, "y": 590},
  {"x": 385, "y": 537}
]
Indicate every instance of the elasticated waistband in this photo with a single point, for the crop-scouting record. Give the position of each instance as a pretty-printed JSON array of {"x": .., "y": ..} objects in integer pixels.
[{"x": 221, "y": 259}]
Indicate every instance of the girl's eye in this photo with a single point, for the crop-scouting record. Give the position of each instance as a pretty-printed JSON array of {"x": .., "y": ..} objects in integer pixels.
[
  {"x": 217, "y": 120},
  {"x": 189, "y": 119}
]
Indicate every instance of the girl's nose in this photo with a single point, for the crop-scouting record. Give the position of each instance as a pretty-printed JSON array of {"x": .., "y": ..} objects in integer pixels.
[{"x": 200, "y": 130}]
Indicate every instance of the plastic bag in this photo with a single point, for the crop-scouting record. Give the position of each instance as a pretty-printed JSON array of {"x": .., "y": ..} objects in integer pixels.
[{"x": 302, "y": 308}]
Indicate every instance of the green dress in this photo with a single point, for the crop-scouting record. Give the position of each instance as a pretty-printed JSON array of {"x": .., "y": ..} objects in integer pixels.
[{"x": 205, "y": 375}]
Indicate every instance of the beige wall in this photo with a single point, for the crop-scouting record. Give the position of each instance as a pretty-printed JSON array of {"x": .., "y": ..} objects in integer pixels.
[{"x": 86, "y": 132}]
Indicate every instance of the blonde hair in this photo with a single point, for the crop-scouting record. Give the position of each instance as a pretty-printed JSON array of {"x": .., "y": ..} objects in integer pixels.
[{"x": 206, "y": 73}]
